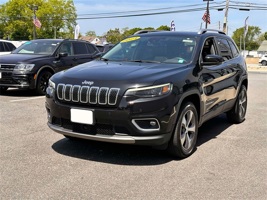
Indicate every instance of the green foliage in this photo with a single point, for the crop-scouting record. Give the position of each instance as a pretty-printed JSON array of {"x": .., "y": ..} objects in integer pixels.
[
  {"x": 163, "y": 28},
  {"x": 56, "y": 16},
  {"x": 127, "y": 33},
  {"x": 90, "y": 33},
  {"x": 250, "y": 39},
  {"x": 265, "y": 35},
  {"x": 114, "y": 36}
]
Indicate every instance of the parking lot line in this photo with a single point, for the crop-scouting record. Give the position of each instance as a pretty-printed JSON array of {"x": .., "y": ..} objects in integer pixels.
[{"x": 26, "y": 99}]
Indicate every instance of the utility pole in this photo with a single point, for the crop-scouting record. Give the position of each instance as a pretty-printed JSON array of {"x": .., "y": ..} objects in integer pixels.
[{"x": 225, "y": 28}]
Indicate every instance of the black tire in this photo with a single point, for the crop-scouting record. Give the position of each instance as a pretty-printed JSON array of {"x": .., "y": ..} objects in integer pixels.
[
  {"x": 264, "y": 63},
  {"x": 42, "y": 82},
  {"x": 183, "y": 141},
  {"x": 3, "y": 89},
  {"x": 238, "y": 112}
]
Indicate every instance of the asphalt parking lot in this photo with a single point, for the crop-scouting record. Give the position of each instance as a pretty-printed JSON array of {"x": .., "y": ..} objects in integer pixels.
[{"x": 35, "y": 163}]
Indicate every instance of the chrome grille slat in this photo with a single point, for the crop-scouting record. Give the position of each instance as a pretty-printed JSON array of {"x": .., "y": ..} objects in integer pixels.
[
  {"x": 102, "y": 95},
  {"x": 84, "y": 94},
  {"x": 113, "y": 95},
  {"x": 75, "y": 93},
  {"x": 67, "y": 93},
  {"x": 93, "y": 95},
  {"x": 87, "y": 95}
]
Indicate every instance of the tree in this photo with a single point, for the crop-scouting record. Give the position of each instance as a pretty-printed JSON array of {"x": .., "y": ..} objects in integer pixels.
[
  {"x": 114, "y": 36},
  {"x": 251, "y": 37},
  {"x": 56, "y": 16},
  {"x": 129, "y": 32},
  {"x": 163, "y": 28},
  {"x": 90, "y": 33}
]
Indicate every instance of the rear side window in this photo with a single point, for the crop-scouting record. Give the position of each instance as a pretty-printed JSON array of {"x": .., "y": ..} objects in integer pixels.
[
  {"x": 91, "y": 49},
  {"x": 233, "y": 48},
  {"x": 10, "y": 46},
  {"x": 6, "y": 46},
  {"x": 79, "y": 48},
  {"x": 2, "y": 49},
  {"x": 224, "y": 48}
]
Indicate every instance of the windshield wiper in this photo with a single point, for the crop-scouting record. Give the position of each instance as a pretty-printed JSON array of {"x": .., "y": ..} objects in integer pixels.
[
  {"x": 104, "y": 59},
  {"x": 145, "y": 61}
]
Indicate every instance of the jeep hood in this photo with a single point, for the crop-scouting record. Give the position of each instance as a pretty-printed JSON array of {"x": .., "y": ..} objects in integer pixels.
[{"x": 124, "y": 72}]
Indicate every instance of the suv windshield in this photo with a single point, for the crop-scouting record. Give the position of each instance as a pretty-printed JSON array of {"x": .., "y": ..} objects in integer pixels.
[
  {"x": 162, "y": 49},
  {"x": 37, "y": 47}
]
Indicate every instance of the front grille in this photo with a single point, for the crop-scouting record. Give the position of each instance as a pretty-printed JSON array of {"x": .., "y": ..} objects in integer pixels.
[
  {"x": 7, "y": 67},
  {"x": 87, "y": 95}
]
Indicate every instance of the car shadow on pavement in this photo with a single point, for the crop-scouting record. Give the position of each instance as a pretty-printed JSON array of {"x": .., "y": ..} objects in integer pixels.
[
  {"x": 19, "y": 93},
  {"x": 130, "y": 154}
]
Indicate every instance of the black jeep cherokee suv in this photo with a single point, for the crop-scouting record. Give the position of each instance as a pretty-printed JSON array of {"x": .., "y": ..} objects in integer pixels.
[
  {"x": 32, "y": 64},
  {"x": 153, "y": 88}
]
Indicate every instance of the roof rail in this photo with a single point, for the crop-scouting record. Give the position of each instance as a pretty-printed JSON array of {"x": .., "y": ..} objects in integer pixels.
[
  {"x": 202, "y": 31},
  {"x": 145, "y": 31}
]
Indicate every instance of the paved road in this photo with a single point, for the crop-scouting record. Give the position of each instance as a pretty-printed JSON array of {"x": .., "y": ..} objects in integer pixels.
[{"x": 35, "y": 163}]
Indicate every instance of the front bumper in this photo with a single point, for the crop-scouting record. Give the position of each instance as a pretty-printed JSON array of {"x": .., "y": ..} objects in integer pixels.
[
  {"x": 117, "y": 138},
  {"x": 115, "y": 125},
  {"x": 8, "y": 79}
]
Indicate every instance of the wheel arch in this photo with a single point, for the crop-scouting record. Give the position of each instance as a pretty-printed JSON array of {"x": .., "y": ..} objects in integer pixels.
[
  {"x": 42, "y": 69},
  {"x": 191, "y": 96}
]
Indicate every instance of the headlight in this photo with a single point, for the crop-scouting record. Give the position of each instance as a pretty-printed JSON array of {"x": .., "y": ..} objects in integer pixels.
[
  {"x": 24, "y": 67},
  {"x": 152, "y": 91},
  {"x": 50, "y": 88}
]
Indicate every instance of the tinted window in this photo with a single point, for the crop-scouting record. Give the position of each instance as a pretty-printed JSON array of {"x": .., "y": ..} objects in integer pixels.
[
  {"x": 2, "y": 46},
  {"x": 79, "y": 48},
  {"x": 10, "y": 46},
  {"x": 235, "y": 51},
  {"x": 224, "y": 48},
  {"x": 91, "y": 49},
  {"x": 66, "y": 48}
]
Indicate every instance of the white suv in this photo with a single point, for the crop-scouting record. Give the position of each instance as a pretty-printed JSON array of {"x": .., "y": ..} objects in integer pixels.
[
  {"x": 263, "y": 60},
  {"x": 6, "y": 47}
]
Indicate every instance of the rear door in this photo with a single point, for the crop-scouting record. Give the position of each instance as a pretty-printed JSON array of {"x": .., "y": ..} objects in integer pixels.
[
  {"x": 217, "y": 81},
  {"x": 84, "y": 52}
]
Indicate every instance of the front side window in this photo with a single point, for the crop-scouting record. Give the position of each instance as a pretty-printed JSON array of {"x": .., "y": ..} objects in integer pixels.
[
  {"x": 66, "y": 48},
  {"x": 159, "y": 48}
]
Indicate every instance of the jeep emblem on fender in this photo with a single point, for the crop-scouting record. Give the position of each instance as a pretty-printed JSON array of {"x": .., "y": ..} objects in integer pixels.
[{"x": 87, "y": 82}]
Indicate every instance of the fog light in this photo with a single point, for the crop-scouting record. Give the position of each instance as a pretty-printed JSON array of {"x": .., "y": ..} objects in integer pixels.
[
  {"x": 146, "y": 124},
  {"x": 153, "y": 123}
]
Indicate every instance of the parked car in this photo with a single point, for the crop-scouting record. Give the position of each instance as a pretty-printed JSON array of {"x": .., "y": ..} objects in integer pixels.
[
  {"x": 153, "y": 88},
  {"x": 33, "y": 63},
  {"x": 263, "y": 60},
  {"x": 104, "y": 47},
  {"x": 6, "y": 47}
]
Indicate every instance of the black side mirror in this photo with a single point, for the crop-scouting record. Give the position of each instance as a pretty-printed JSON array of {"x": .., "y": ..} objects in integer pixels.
[
  {"x": 63, "y": 54},
  {"x": 212, "y": 59}
]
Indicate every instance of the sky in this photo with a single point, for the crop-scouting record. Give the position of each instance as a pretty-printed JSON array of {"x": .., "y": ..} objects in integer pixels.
[{"x": 184, "y": 21}]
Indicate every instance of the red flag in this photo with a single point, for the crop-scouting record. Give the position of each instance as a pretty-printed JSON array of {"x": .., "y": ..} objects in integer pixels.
[
  {"x": 206, "y": 17},
  {"x": 36, "y": 22}
]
